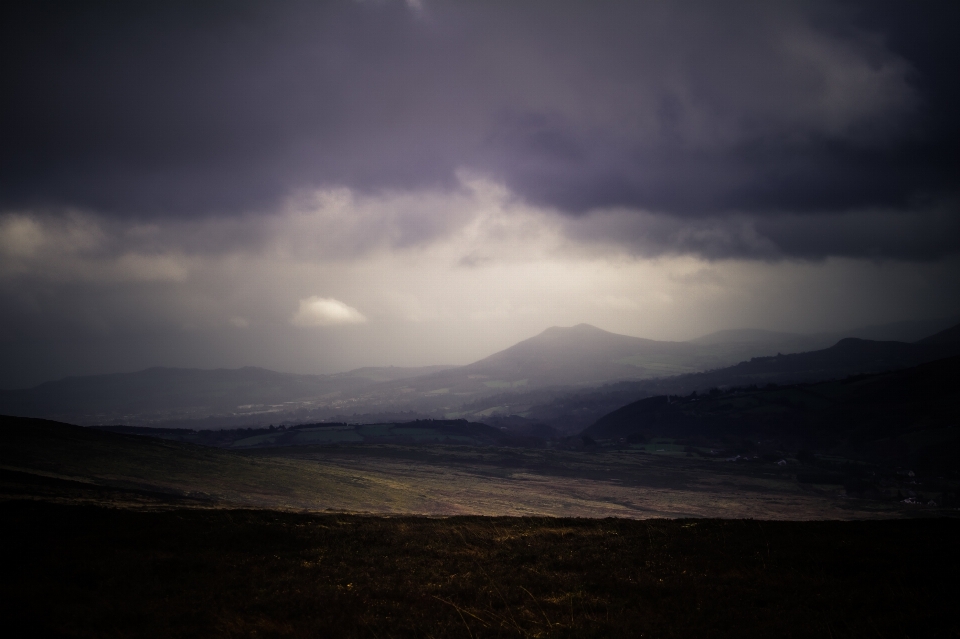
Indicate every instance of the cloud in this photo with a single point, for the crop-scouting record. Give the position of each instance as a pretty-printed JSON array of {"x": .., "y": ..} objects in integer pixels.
[
  {"x": 925, "y": 233},
  {"x": 89, "y": 307},
  {"x": 467, "y": 174},
  {"x": 77, "y": 247},
  {"x": 698, "y": 112},
  {"x": 325, "y": 311}
]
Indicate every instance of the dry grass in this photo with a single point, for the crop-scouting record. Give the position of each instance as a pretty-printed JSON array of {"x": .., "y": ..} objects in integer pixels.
[
  {"x": 436, "y": 480},
  {"x": 93, "y": 572}
]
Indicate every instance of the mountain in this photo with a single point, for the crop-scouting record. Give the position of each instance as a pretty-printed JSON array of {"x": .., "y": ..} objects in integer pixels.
[
  {"x": 584, "y": 355},
  {"x": 850, "y": 356},
  {"x": 578, "y": 356},
  {"x": 909, "y": 416},
  {"x": 571, "y": 410},
  {"x": 561, "y": 377},
  {"x": 158, "y": 395}
]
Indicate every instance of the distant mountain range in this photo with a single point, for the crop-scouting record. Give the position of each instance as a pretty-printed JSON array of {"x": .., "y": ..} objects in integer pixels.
[
  {"x": 571, "y": 410},
  {"x": 563, "y": 377},
  {"x": 160, "y": 395}
]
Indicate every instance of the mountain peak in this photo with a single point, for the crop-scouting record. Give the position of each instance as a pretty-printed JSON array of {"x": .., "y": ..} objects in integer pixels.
[{"x": 578, "y": 329}]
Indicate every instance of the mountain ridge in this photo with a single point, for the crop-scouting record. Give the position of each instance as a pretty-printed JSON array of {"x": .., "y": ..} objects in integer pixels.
[{"x": 559, "y": 360}]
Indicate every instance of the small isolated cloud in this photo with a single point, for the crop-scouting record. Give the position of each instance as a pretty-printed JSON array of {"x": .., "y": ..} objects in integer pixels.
[
  {"x": 239, "y": 322},
  {"x": 325, "y": 311}
]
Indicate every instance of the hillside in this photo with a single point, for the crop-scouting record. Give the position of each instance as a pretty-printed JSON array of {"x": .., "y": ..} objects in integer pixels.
[
  {"x": 44, "y": 460},
  {"x": 584, "y": 354},
  {"x": 250, "y": 573},
  {"x": 907, "y": 417}
]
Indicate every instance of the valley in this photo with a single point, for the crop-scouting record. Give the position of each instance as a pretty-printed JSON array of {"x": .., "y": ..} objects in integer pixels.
[
  {"x": 817, "y": 494},
  {"x": 565, "y": 378}
]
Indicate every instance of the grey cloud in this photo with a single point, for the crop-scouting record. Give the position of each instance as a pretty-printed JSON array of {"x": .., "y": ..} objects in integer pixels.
[
  {"x": 916, "y": 235},
  {"x": 701, "y": 112}
]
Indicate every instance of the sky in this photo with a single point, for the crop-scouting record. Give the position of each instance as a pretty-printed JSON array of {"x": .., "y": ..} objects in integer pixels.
[{"x": 318, "y": 186}]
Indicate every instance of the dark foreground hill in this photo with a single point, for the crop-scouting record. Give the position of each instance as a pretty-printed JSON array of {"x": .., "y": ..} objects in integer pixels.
[
  {"x": 908, "y": 417},
  {"x": 40, "y": 459},
  {"x": 242, "y": 573},
  {"x": 114, "y": 535}
]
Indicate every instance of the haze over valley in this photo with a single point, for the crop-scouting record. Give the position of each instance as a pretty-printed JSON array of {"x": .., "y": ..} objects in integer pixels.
[{"x": 526, "y": 379}]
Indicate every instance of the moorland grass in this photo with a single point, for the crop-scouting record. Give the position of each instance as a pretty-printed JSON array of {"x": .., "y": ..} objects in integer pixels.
[{"x": 89, "y": 571}]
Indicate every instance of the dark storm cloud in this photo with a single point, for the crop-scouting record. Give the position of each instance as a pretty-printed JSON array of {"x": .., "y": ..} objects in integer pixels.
[
  {"x": 704, "y": 113},
  {"x": 869, "y": 234}
]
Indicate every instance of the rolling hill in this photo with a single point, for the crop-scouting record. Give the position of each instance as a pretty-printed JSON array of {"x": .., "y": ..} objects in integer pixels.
[
  {"x": 908, "y": 417},
  {"x": 563, "y": 377},
  {"x": 571, "y": 411},
  {"x": 578, "y": 356},
  {"x": 565, "y": 359}
]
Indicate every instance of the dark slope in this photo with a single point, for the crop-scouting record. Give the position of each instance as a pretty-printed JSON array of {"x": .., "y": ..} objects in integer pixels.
[
  {"x": 910, "y": 415},
  {"x": 178, "y": 470},
  {"x": 948, "y": 336},
  {"x": 251, "y": 573}
]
